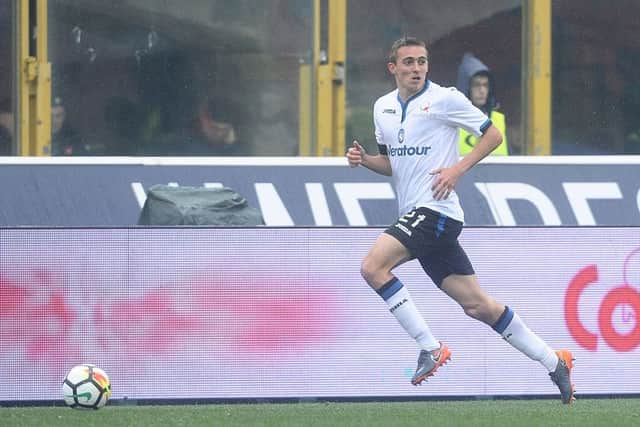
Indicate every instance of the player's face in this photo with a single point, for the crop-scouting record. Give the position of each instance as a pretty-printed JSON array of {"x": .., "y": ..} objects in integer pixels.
[{"x": 410, "y": 69}]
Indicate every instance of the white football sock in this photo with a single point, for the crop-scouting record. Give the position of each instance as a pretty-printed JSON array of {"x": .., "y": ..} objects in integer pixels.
[
  {"x": 407, "y": 314},
  {"x": 524, "y": 339}
]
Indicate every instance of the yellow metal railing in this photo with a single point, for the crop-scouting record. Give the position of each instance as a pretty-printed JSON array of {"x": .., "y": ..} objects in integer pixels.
[
  {"x": 323, "y": 85},
  {"x": 337, "y": 62},
  {"x": 305, "y": 113},
  {"x": 34, "y": 81},
  {"x": 536, "y": 112}
]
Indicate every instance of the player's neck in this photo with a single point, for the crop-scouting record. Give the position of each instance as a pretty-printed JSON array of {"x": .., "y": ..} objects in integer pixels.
[{"x": 405, "y": 93}]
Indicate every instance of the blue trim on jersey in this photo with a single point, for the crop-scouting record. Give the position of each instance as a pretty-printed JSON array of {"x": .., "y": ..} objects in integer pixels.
[
  {"x": 486, "y": 125},
  {"x": 440, "y": 225},
  {"x": 504, "y": 320},
  {"x": 390, "y": 288},
  {"x": 404, "y": 105}
]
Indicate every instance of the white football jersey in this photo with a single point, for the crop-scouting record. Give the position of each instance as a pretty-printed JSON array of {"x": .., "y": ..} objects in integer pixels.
[{"x": 420, "y": 136}]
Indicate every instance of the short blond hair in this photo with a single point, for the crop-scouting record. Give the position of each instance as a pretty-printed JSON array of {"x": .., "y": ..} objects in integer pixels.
[{"x": 405, "y": 41}]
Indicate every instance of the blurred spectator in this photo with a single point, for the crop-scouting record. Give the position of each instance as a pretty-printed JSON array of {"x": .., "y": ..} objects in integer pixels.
[
  {"x": 65, "y": 141},
  {"x": 6, "y": 127},
  {"x": 217, "y": 129},
  {"x": 167, "y": 99},
  {"x": 215, "y": 133},
  {"x": 477, "y": 83},
  {"x": 121, "y": 117}
]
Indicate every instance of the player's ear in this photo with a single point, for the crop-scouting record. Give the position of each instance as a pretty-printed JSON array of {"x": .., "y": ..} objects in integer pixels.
[{"x": 391, "y": 67}]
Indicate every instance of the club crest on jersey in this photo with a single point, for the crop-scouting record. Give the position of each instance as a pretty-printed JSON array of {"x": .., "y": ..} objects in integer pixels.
[
  {"x": 425, "y": 107},
  {"x": 401, "y": 136}
]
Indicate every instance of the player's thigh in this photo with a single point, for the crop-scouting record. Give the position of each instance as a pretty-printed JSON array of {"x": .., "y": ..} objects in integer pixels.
[{"x": 386, "y": 253}]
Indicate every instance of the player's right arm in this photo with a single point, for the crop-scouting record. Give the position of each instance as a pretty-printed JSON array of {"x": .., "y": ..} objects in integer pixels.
[{"x": 357, "y": 155}]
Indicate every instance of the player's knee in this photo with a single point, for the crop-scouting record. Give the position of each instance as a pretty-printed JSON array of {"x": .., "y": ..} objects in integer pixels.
[
  {"x": 366, "y": 269},
  {"x": 477, "y": 310},
  {"x": 369, "y": 271},
  {"x": 471, "y": 310}
]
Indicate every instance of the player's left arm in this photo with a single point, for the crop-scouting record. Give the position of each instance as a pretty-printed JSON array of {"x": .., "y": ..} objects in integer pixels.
[
  {"x": 463, "y": 113},
  {"x": 448, "y": 177},
  {"x": 488, "y": 142}
]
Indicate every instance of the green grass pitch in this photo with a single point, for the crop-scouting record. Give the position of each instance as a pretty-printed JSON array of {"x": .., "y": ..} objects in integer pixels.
[{"x": 513, "y": 413}]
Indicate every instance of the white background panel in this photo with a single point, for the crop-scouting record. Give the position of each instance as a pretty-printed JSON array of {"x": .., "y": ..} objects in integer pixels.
[{"x": 283, "y": 312}]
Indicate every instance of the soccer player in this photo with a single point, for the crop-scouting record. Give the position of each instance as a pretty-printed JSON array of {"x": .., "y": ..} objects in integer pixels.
[{"x": 416, "y": 127}]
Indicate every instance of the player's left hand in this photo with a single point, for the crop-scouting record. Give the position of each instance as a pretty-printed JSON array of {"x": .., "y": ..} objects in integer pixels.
[{"x": 445, "y": 182}]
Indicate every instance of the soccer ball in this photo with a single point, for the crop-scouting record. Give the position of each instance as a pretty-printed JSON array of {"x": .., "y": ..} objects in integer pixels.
[{"x": 86, "y": 386}]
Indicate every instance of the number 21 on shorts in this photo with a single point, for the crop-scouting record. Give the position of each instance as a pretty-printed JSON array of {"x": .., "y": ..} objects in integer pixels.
[{"x": 412, "y": 219}]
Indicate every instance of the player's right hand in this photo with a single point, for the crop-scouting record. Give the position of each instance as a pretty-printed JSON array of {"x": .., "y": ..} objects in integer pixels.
[{"x": 355, "y": 154}]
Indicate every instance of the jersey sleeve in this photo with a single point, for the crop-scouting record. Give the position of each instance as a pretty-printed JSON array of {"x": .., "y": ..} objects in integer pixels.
[
  {"x": 463, "y": 114},
  {"x": 382, "y": 147}
]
